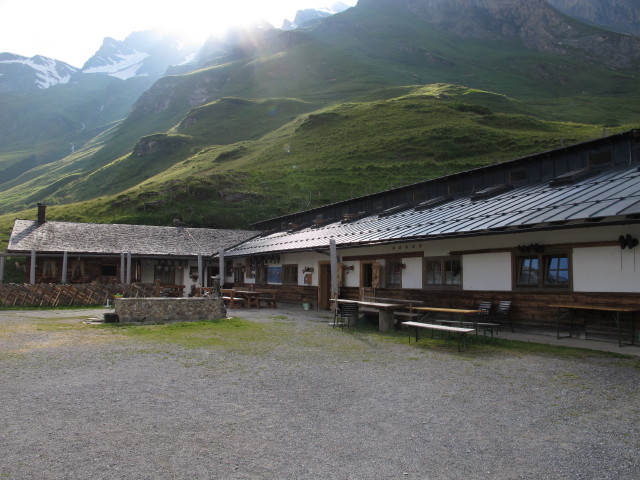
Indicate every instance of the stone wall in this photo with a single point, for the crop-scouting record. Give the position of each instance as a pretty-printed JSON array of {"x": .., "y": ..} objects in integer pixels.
[{"x": 153, "y": 310}]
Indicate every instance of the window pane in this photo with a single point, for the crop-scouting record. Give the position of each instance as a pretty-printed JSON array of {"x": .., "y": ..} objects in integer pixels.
[
  {"x": 452, "y": 272},
  {"x": 528, "y": 270},
  {"x": 290, "y": 274},
  {"x": 433, "y": 272},
  {"x": 394, "y": 273},
  {"x": 557, "y": 270}
]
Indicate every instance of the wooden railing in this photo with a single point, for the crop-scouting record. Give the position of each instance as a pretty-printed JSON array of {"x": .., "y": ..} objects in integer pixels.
[{"x": 63, "y": 295}]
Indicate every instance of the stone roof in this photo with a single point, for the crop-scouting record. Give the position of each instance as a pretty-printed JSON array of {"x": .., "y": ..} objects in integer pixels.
[{"x": 96, "y": 238}]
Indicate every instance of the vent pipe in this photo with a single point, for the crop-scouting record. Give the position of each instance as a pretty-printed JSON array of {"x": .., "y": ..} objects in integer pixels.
[{"x": 42, "y": 213}]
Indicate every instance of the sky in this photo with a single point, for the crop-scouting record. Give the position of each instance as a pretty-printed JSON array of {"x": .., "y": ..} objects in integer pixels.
[{"x": 73, "y": 30}]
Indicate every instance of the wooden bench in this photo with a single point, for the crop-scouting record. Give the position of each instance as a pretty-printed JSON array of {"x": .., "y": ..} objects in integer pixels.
[
  {"x": 477, "y": 326},
  {"x": 230, "y": 299},
  {"x": 400, "y": 316},
  {"x": 205, "y": 291},
  {"x": 461, "y": 333},
  {"x": 268, "y": 296}
]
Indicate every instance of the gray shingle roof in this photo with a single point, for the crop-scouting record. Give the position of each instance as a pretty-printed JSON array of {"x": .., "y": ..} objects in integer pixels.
[
  {"x": 610, "y": 196},
  {"x": 95, "y": 238}
]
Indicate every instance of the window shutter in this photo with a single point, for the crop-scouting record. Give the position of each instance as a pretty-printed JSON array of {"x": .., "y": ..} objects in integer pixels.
[{"x": 375, "y": 275}]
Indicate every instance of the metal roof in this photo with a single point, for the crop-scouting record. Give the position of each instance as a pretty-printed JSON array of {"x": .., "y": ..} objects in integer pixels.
[
  {"x": 611, "y": 196},
  {"x": 97, "y": 238}
]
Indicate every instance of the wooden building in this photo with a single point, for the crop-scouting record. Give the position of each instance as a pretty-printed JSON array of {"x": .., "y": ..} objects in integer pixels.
[
  {"x": 555, "y": 227},
  {"x": 67, "y": 252}
]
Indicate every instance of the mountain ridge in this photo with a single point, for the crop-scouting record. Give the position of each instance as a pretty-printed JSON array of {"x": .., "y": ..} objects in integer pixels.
[
  {"x": 534, "y": 22},
  {"x": 211, "y": 134}
]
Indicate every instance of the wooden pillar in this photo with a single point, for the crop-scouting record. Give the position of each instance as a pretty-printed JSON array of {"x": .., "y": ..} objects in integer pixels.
[
  {"x": 2, "y": 262},
  {"x": 32, "y": 269},
  {"x": 333, "y": 255},
  {"x": 221, "y": 267},
  {"x": 200, "y": 282},
  {"x": 65, "y": 263},
  {"x": 128, "y": 268},
  {"x": 122, "y": 268}
]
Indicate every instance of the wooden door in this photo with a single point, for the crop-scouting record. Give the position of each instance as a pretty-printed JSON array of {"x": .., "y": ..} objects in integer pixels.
[{"x": 324, "y": 285}]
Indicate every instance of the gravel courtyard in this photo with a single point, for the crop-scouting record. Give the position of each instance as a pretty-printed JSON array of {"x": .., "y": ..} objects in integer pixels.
[{"x": 305, "y": 402}]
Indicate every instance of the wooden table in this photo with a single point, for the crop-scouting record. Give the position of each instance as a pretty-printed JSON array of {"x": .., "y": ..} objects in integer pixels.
[
  {"x": 168, "y": 291},
  {"x": 566, "y": 311},
  {"x": 385, "y": 311},
  {"x": 251, "y": 296},
  {"x": 460, "y": 312}
]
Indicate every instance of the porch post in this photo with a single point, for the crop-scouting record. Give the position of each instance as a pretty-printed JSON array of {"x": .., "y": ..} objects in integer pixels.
[
  {"x": 333, "y": 254},
  {"x": 221, "y": 267},
  {"x": 65, "y": 263},
  {"x": 128, "y": 268},
  {"x": 122, "y": 268},
  {"x": 200, "y": 282},
  {"x": 32, "y": 269},
  {"x": 2, "y": 260}
]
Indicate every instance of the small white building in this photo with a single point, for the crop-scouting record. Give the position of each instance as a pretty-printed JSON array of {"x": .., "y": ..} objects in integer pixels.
[{"x": 179, "y": 258}]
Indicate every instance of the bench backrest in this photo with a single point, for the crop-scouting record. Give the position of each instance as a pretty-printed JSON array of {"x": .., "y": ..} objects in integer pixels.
[{"x": 270, "y": 291}]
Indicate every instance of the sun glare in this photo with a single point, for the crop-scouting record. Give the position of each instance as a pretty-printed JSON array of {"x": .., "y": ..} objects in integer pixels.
[
  {"x": 73, "y": 30},
  {"x": 206, "y": 19}
]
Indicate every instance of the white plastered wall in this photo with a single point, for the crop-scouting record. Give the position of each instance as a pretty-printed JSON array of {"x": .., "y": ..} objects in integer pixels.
[
  {"x": 606, "y": 269},
  {"x": 487, "y": 271}
]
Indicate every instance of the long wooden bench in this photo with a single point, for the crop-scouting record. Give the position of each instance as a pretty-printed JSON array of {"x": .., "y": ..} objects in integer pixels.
[
  {"x": 484, "y": 326},
  {"x": 268, "y": 297},
  {"x": 230, "y": 298},
  {"x": 401, "y": 316},
  {"x": 461, "y": 333}
]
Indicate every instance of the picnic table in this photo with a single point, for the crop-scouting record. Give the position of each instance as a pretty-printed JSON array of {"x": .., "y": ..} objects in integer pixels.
[
  {"x": 385, "y": 311},
  {"x": 567, "y": 310},
  {"x": 252, "y": 297},
  {"x": 461, "y": 313}
]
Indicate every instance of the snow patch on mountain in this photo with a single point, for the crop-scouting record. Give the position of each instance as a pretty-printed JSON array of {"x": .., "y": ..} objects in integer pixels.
[
  {"x": 48, "y": 72},
  {"x": 121, "y": 66}
]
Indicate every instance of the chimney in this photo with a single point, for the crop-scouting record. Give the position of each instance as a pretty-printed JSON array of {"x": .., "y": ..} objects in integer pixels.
[{"x": 42, "y": 213}]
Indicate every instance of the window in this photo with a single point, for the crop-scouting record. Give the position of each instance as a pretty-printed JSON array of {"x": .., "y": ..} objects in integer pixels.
[
  {"x": 165, "y": 273},
  {"x": 261, "y": 274},
  {"x": 442, "y": 272},
  {"x": 551, "y": 270},
  {"x": 238, "y": 274},
  {"x": 290, "y": 274},
  {"x": 394, "y": 273},
  {"x": 49, "y": 269}
]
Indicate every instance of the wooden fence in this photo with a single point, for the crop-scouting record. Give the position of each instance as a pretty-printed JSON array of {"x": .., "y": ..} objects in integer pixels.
[{"x": 63, "y": 295}]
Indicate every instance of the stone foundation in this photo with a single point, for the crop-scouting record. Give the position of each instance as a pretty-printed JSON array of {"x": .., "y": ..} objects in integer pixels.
[{"x": 154, "y": 310}]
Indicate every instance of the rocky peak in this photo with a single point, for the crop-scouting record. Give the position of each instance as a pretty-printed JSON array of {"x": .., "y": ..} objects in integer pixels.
[{"x": 533, "y": 22}]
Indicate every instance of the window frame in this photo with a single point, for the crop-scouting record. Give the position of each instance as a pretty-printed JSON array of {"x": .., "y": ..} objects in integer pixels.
[
  {"x": 290, "y": 274},
  {"x": 390, "y": 265},
  {"x": 543, "y": 260},
  {"x": 262, "y": 277},
  {"x": 443, "y": 271}
]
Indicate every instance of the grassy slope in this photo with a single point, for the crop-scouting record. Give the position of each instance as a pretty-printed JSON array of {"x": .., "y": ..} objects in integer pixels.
[{"x": 331, "y": 154}]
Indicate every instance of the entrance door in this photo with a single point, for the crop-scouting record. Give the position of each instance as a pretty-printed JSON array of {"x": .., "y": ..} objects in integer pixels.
[
  {"x": 369, "y": 279},
  {"x": 324, "y": 285}
]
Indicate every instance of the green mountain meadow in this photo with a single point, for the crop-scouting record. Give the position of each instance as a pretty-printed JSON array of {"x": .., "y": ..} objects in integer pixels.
[{"x": 368, "y": 100}]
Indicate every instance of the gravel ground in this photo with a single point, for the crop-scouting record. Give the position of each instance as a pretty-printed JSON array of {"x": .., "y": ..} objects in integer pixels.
[{"x": 324, "y": 404}]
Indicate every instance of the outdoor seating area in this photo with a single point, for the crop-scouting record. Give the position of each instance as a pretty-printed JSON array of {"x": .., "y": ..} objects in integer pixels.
[
  {"x": 238, "y": 298},
  {"x": 398, "y": 313}
]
